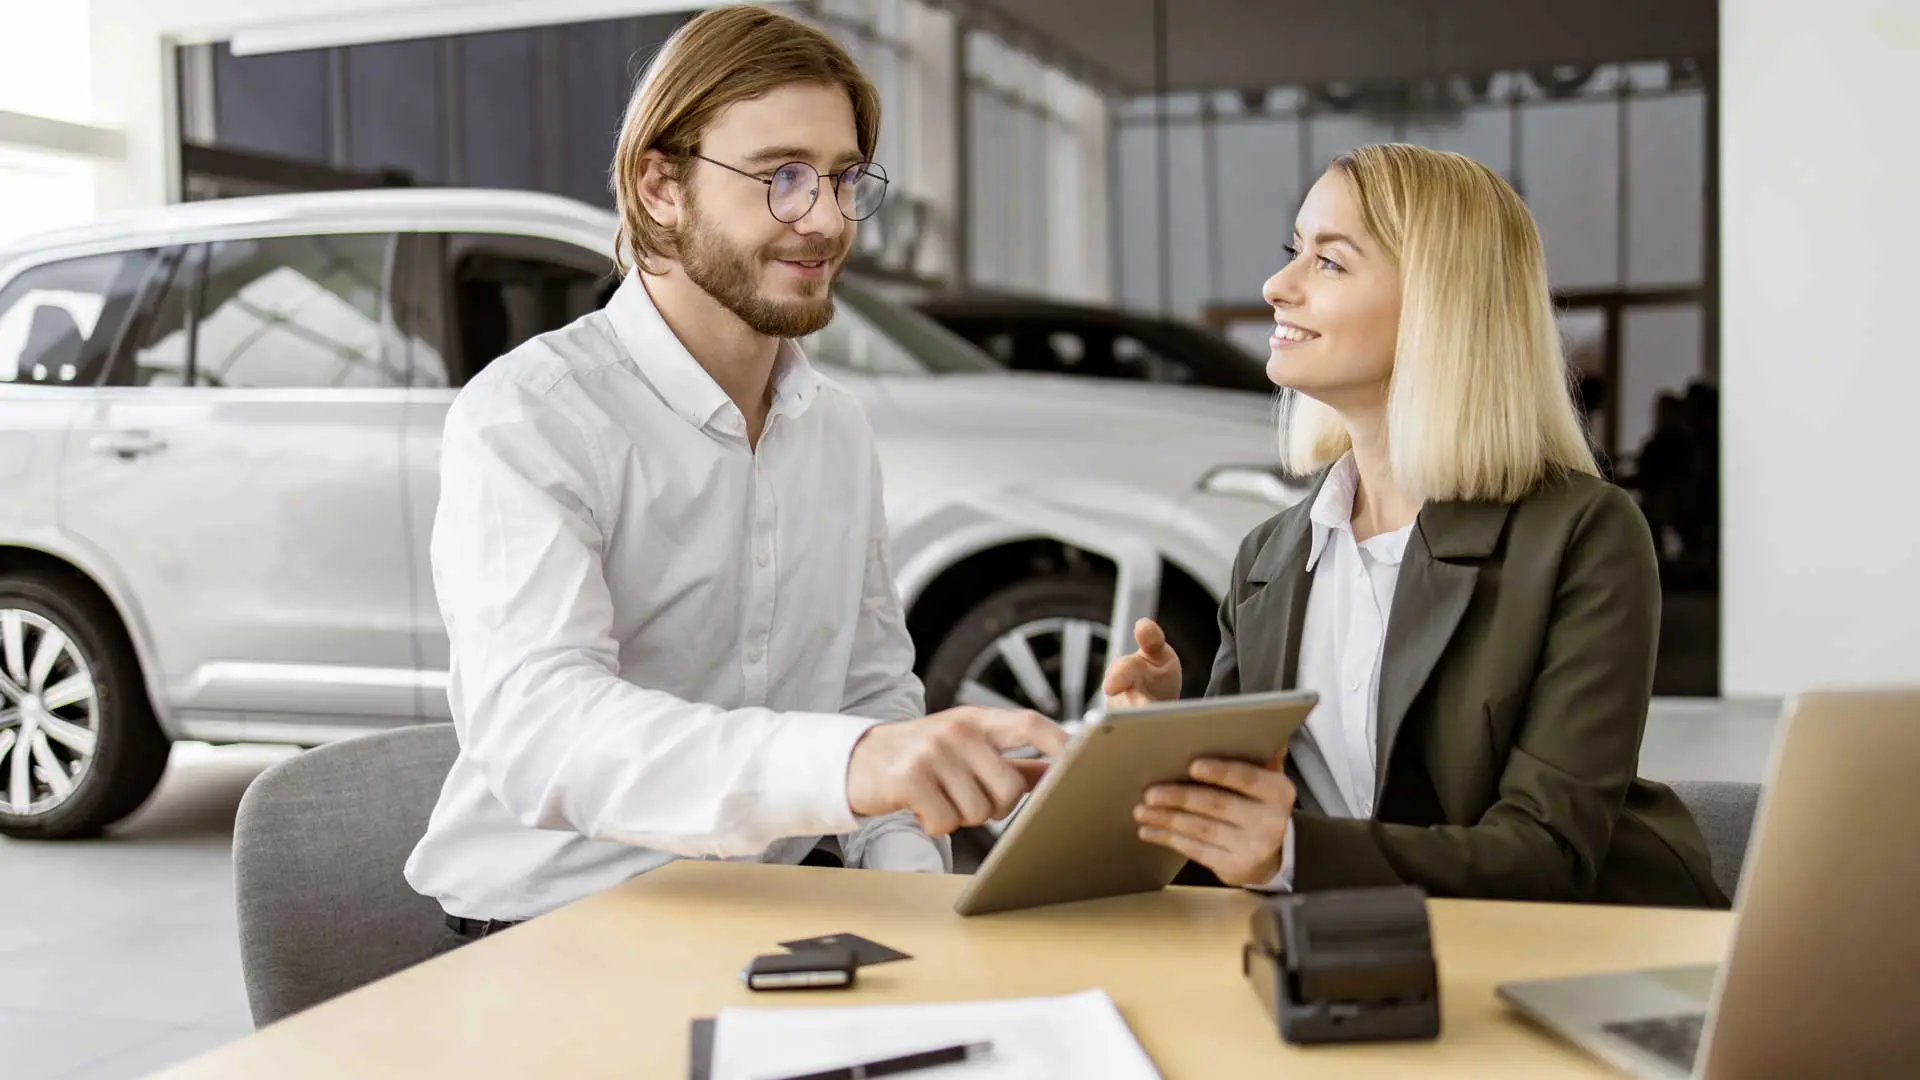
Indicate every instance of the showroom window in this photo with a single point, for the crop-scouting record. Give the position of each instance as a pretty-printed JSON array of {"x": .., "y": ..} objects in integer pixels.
[
  {"x": 533, "y": 109},
  {"x": 293, "y": 312},
  {"x": 1038, "y": 176},
  {"x": 57, "y": 321},
  {"x": 1611, "y": 159}
]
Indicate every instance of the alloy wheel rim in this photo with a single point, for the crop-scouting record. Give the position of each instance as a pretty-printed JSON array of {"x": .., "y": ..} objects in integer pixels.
[
  {"x": 1053, "y": 666},
  {"x": 49, "y": 714}
]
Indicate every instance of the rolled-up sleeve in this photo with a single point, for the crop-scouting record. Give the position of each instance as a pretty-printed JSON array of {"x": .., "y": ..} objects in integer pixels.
[{"x": 563, "y": 741}]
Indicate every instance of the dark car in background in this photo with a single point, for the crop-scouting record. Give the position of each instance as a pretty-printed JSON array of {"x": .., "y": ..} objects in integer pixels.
[{"x": 1076, "y": 339}]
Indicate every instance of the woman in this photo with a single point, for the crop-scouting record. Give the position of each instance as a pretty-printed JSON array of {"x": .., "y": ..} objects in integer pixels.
[{"x": 1477, "y": 610}]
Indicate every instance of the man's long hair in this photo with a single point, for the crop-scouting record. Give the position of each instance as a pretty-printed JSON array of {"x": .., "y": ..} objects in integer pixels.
[{"x": 720, "y": 57}]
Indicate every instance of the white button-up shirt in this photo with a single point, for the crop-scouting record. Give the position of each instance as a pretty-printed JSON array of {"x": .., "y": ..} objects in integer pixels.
[
  {"x": 664, "y": 642},
  {"x": 1343, "y": 644}
]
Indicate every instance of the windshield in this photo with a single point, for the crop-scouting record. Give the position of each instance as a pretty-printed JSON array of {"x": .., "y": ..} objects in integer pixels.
[{"x": 874, "y": 334}]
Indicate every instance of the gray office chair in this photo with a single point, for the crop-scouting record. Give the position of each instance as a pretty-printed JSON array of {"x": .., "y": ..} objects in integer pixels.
[
  {"x": 1725, "y": 811},
  {"x": 319, "y": 847}
]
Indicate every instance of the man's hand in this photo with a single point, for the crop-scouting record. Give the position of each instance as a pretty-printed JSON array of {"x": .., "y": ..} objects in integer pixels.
[
  {"x": 949, "y": 768},
  {"x": 1151, "y": 674},
  {"x": 1232, "y": 822}
]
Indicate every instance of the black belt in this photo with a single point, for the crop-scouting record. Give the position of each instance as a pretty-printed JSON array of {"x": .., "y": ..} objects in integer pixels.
[{"x": 477, "y": 928}]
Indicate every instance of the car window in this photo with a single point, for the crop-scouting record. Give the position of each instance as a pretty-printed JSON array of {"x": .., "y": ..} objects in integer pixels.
[
  {"x": 1136, "y": 359},
  {"x": 294, "y": 311},
  {"x": 874, "y": 334},
  {"x": 1032, "y": 347},
  {"x": 1211, "y": 357},
  {"x": 1068, "y": 348},
  {"x": 1087, "y": 349},
  {"x": 505, "y": 290},
  {"x": 162, "y": 350},
  {"x": 852, "y": 341},
  {"x": 57, "y": 320}
]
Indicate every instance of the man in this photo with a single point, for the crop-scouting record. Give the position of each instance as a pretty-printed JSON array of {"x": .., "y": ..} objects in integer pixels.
[{"x": 660, "y": 549}]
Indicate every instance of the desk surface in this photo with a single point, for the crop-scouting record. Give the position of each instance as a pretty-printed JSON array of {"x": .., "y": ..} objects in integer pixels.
[{"x": 605, "y": 988}]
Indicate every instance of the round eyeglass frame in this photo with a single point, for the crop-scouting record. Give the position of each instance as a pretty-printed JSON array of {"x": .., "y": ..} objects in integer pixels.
[{"x": 873, "y": 170}]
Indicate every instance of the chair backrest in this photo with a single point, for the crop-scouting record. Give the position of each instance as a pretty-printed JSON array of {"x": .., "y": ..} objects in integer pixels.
[
  {"x": 1725, "y": 811},
  {"x": 319, "y": 849}
]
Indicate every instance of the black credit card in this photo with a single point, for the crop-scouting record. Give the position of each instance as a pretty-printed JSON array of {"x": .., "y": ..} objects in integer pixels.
[{"x": 864, "y": 952}]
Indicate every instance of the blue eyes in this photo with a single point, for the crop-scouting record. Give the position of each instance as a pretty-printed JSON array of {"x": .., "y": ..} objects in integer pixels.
[{"x": 788, "y": 179}]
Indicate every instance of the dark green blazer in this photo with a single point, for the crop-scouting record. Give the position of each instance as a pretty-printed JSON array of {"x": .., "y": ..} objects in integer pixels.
[{"x": 1513, "y": 694}]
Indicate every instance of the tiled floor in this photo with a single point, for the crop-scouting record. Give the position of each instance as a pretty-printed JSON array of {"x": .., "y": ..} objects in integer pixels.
[{"x": 119, "y": 957}]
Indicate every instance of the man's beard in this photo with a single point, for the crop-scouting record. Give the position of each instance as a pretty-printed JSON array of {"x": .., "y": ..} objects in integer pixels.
[{"x": 731, "y": 277}]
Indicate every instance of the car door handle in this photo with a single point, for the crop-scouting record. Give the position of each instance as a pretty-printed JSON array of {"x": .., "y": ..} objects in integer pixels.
[{"x": 127, "y": 445}]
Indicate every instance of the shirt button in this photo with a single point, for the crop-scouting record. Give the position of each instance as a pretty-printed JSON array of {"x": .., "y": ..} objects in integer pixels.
[
  {"x": 756, "y": 654},
  {"x": 761, "y": 557}
]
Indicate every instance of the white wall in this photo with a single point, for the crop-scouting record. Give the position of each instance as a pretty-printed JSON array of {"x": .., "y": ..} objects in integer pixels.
[
  {"x": 1820, "y": 361},
  {"x": 48, "y": 147}
]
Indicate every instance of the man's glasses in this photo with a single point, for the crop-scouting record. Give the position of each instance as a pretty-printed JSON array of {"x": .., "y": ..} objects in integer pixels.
[{"x": 794, "y": 188}]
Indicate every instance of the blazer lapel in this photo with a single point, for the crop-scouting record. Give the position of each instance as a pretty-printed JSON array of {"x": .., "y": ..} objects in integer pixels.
[
  {"x": 1273, "y": 611},
  {"x": 1272, "y": 614},
  {"x": 1429, "y": 599}
]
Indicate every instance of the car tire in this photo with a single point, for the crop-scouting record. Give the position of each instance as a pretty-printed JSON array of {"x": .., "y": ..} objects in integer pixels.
[
  {"x": 1080, "y": 597},
  {"x": 1031, "y": 605},
  {"x": 127, "y": 751}
]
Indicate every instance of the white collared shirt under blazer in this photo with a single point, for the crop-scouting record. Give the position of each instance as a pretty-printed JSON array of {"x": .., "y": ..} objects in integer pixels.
[{"x": 1343, "y": 644}]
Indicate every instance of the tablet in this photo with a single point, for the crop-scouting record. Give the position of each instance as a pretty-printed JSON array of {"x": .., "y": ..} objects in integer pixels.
[{"x": 1076, "y": 838}]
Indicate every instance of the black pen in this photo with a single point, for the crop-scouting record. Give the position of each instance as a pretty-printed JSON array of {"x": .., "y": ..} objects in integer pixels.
[{"x": 925, "y": 1059}]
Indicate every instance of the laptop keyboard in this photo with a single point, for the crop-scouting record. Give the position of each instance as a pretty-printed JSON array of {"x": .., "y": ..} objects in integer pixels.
[{"x": 1675, "y": 1039}]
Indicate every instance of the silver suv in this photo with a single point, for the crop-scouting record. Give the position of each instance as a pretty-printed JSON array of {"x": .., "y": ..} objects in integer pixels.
[{"x": 219, "y": 440}]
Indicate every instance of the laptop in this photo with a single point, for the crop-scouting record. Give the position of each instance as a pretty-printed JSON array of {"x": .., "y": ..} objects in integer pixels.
[{"x": 1822, "y": 972}]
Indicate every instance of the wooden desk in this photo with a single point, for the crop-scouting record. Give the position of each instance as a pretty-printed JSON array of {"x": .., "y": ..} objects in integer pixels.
[{"x": 605, "y": 988}]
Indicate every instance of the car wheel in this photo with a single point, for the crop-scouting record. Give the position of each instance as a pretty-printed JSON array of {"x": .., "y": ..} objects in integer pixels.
[
  {"x": 79, "y": 746},
  {"x": 1038, "y": 644},
  {"x": 1041, "y": 644}
]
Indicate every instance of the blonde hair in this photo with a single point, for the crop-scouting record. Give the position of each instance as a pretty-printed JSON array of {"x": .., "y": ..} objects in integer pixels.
[
  {"x": 1479, "y": 404},
  {"x": 716, "y": 59}
]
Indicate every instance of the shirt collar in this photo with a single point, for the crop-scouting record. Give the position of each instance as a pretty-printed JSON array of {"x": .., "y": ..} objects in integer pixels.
[
  {"x": 1333, "y": 510},
  {"x": 1333, "y": 507},
  {"x": 679, "y": 379},
  {"x": 795, "y": 380}
]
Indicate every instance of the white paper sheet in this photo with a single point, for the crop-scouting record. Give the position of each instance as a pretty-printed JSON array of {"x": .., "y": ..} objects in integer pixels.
[{"x": 1070, "y": 1037}]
